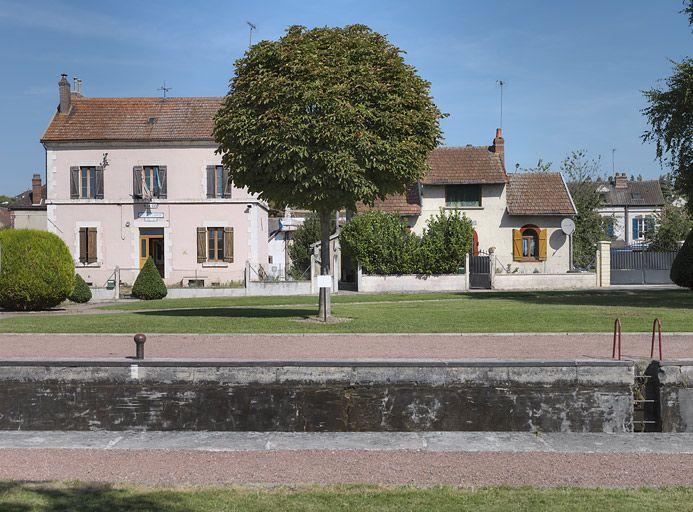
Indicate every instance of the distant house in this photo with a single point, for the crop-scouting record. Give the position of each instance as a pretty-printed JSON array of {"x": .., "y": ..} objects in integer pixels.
[
  {"x": 135, "y": 178},
  {"x": 28, "y": 209},
  {"x": 633, "y": 205},
  {"x": 519, "y": 215}
]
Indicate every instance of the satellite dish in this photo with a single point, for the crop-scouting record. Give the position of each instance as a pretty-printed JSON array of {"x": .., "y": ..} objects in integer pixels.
[{"x": 568, "y": 226}]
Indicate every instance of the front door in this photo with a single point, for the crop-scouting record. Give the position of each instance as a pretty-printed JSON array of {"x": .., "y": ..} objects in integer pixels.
[{"x": 152, "y": 246}]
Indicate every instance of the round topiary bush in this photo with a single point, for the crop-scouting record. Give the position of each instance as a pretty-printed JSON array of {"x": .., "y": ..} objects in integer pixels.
[
  {"x": 149, "y": 285},
  {"x": 36, "y": 272},
  {"x": 81, "y": 292},
  {"x": 682, "y": 267}
]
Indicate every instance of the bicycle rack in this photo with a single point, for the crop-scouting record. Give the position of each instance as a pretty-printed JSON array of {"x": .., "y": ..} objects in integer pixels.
[
  {"x": 658, "y": 325},
  {"x": 617, "y": 340}
]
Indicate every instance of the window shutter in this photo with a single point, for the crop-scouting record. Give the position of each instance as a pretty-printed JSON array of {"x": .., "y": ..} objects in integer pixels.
[
  {"x": 210, "y": 181},
  {"x": 99, "y": 183},
  {"x": 137, "y": 182},
  {"x": 228, "y": 245},
  {"x": 74, "y": 182},
  {"x": 542, "y": 244},
  {"x": 201, "y": 245},
  {"x": 83, "y": 245},
  {"x": 91, "y": 245},
  {"x": 636, "y": 231},
  {"x": 227, "y": 185},
  {"x": 517, "y": 245},
  {"x": 162, "y": 181}
]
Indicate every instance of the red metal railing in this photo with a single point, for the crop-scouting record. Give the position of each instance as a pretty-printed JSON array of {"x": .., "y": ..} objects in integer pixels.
[
  {"x": 617, "y": 340},
  {"x": 657, "y": 324}
]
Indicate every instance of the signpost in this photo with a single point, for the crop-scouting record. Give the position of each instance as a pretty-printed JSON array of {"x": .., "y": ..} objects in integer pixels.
[{"x": 568, "y": 227}]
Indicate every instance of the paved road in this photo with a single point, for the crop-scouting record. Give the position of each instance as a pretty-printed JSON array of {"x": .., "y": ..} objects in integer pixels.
[
  {"x": 349, "y": 346},
  {"x": 455, "y": 458}
]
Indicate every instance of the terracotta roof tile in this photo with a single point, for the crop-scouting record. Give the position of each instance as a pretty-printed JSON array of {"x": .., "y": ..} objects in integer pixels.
[
  {"x": 403, "y": 204},
  {"x": 460, "y": 165},
  {"x": 135, "y": 119},
  {"x": 538, "y": 193}
]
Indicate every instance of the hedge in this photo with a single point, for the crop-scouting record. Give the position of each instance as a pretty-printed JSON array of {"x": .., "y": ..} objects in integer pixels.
[
  {"x": 36, "y": 270},
  {"x": 149, "y": 285},
  {"x": 81, "y": 292},
  {"x": 682, "y": 268}
]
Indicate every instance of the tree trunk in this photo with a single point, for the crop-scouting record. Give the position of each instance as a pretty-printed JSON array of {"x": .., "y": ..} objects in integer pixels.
[{"x": 325, "y": 306}]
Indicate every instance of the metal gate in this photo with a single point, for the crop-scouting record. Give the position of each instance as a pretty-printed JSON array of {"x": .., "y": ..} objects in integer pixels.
[
  {"x": 637, "y": 265},
  {"x": 480, "y": 271}
]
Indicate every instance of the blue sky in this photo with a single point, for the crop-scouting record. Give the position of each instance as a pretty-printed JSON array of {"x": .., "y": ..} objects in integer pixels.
[{"x": 574, "y": 69}]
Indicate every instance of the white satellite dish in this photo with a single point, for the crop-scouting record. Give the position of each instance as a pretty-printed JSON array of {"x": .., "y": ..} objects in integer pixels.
[{"x": 568, "y": 226}]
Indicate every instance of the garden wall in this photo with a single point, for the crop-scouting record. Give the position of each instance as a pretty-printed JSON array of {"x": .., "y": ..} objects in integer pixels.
[
  {"x": 411, "y": 283},
  {"x": 545, "y": 281},
  {"x": 525, "y": 396}
]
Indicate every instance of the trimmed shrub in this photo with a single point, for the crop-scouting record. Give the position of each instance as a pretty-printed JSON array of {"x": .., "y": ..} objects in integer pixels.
[
  {"x": 381, "y": 243},
  {"x": 299, "y": 250},
  {"x": 149, "y": 285},
  {"x": 37, "y": 271},
  {"x": 445, "y": 243},
  {"x": 682, "y": 267},
  {"x": 81, "y": 292}
]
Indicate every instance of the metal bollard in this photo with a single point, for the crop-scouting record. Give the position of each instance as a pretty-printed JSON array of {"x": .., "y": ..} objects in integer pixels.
[{"x": 139, "y": 345}]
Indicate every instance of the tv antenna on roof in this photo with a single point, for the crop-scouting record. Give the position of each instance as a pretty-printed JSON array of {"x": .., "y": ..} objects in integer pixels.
[
  {"x": 613, "y": 167},
  {"x": 501, "y": 83},
  {"x": 164, "y": 89},
  {"x": 250, "y": 35}
]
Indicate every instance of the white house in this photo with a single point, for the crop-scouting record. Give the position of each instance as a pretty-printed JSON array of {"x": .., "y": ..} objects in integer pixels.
[
  {"x": 133, "y": 178},
  {"x": 633, "y": 205},
  {"x": 518, "y": 216}
]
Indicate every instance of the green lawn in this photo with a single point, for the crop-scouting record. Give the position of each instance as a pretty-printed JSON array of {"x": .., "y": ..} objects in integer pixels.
[
  {"x": 476, "y": 312},
  {"x": 16, "y": 497}
]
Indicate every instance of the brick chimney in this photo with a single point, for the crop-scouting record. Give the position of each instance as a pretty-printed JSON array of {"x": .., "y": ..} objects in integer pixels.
[
  {"x": 499, "y": 145},
  {"x": 65, "y": 96},
  {"x": 36, "y": 195},
  {"x": 621, "y": 180}
]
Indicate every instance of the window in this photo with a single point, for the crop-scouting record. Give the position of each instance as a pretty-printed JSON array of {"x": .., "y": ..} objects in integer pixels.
[
  {"x": 86, "y": 182},
  {"x": 529, "y": 243},
  {"x": 641, "y": 225},
  {"x": 217, "y": 181},
  {"x": 149, "y": 181},
  {"x": 215, "y": 245},
  {"x": 462, "y": 196},
  {"x": 87, "y": 245}
]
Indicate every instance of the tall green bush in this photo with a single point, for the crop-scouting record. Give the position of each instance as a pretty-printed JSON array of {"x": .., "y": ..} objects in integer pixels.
[
  {"x": 149, "y": 285},
  {"x": 81, "y": 292},
  {"x": 381, "y": 243},
  {"x": 299, "y": 250},
  {"x": 445, "y": 243},
  {"x": 682, "y": 268},
  {"x": 36, "y": 271}
]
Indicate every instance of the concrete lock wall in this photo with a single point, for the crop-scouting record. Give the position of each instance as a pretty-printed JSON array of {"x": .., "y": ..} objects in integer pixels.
[
  {"x": 544, "y": 281},
  {"x": 572, "y": 396},
  {"x": 676, "y": 395},
  {"x": 411, "y": 283}
]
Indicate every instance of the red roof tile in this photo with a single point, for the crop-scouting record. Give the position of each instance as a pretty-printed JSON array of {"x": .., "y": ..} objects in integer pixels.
[
  {"x": 460, "y": 165},
  {"x": 135, "y": 119},
  {"x": 538, "y": 193},
  {"x": 403, "y": 204}
]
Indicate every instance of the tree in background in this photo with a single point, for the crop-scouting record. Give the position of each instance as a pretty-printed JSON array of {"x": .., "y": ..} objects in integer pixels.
[
  {"x": 666, "y": 183},
  {"x": 324, "y": 118},
  {"x": 670, "y": 115},
  {"x": 682, "y": 268},
  {"x": 590, "y": 227},
  {"x": 299, "y": 248},
  {"x": 541, "y": 166},
  {"x": 670, "y": 227}
]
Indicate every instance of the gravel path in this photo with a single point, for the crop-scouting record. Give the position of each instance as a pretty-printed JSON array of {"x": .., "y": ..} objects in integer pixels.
[
  {"x": 351, "y": 346},
  {"x": 330, "y": 467}
]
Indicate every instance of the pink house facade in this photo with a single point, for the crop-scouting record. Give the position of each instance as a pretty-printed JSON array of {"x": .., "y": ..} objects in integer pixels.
[{"x": 133, "y": 178}]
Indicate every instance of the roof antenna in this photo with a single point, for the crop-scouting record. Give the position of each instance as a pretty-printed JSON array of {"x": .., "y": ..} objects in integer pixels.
[
  {"x": 613, "y": 167},
  {"x": 164, "y": 89},
  {"x": 250, "y": 35},
  {"x": 501, "y": 83}
]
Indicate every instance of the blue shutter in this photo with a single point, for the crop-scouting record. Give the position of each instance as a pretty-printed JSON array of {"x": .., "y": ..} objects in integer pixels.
[{"x": 636, "y": 233}]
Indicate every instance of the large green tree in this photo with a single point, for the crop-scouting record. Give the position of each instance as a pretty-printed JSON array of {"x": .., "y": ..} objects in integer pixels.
[
  {"x": 324, "y": 118},
  {"x": 669, "y": 113}
]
